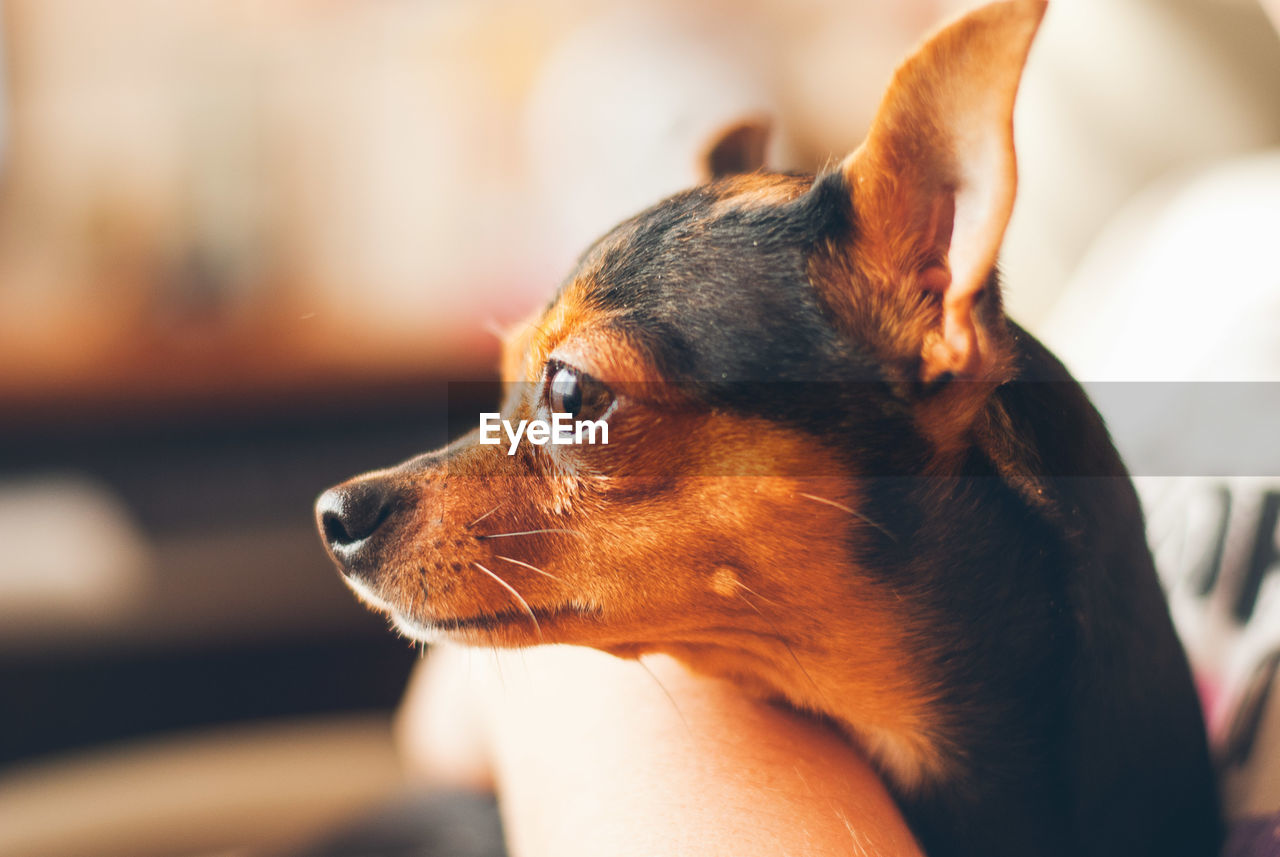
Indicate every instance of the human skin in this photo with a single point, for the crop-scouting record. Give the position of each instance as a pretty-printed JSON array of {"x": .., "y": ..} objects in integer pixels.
[
  {"x": 1272, "y": 8},
  {"x": 593, "y": 755}
]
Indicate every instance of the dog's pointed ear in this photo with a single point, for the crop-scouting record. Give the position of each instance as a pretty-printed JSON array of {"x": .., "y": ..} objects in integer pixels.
[
  {"x": 738, "y": 147},
  {"x": 933, "y": 184}
]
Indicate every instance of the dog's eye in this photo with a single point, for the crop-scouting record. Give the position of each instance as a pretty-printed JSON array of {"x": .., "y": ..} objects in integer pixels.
[
  {"x": 565, "y": 393},
  {"x": 572, "y": 392}
]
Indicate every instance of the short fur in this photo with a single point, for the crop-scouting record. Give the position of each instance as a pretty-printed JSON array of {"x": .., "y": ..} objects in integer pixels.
[{"x": 839, "y": 476}]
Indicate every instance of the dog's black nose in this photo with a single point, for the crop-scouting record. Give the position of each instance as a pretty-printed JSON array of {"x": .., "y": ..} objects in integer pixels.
[{"x": 349, "y": 514}]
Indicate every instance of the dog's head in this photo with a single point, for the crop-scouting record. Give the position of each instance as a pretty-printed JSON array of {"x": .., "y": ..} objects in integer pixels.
[{"x": 752, "y": 347}]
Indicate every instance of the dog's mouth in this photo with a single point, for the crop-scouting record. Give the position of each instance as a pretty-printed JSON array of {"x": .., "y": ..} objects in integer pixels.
[{"x": 534, "y": 622}]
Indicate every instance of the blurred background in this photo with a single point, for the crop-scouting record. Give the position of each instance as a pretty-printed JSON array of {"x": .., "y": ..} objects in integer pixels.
[{"x": 244, "y": 247}]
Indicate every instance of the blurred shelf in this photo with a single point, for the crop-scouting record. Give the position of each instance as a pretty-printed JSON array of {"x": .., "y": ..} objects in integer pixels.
[
  {"x": 260, "y": 370},
  {"x": 214, "y": 452},
  {"x": 59, "y": 704}
]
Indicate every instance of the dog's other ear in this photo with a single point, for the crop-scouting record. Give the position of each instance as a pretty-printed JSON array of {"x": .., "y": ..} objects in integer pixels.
[
  {"x": 933, "y": 184},
  {"x": 737, "y": 148}
]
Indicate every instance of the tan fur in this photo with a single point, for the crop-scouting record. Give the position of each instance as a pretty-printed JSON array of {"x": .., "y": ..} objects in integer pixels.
[
  {"x": 715, "y": 552},
  {"x": 934, "y": 183},
  {"x": 707, "y": 536}
]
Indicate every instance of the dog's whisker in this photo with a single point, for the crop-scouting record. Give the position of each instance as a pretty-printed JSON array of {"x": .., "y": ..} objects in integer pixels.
[
  {"x": 497, "y": 663},
  {"x": 532, "y": 533},
  {"x": 533, "y": 617},
  {"x": 485, "y": 515},
  {"x": 742, "y": 585},
  {"x": 665, "y": 693},
  {"x": 790, "y": 651},
  {"x": 843, "y": 508},
  {"x": 526, "y": 565}
]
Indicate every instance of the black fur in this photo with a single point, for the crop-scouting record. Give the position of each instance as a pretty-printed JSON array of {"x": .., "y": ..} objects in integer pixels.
[{"x": 1077, "y": 728}]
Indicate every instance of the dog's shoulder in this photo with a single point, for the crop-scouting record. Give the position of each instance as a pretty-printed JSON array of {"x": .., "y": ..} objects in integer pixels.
[{"x": 1135, "y": 736}]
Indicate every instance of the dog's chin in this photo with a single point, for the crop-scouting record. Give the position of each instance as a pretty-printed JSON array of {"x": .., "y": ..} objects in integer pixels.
[
  {"x": 366, "y": 594},
  {"x": 503, "y": 631},
  {"x": 415, "y": 630},
  {"x": 503, "y": 628}
]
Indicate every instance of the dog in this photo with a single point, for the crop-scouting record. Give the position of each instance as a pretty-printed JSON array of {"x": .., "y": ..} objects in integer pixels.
[{"x": 836, "y": 474}]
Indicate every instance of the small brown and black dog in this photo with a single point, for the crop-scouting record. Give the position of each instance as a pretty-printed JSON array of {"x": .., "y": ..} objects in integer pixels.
[{"x": 838, "y": 475}]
